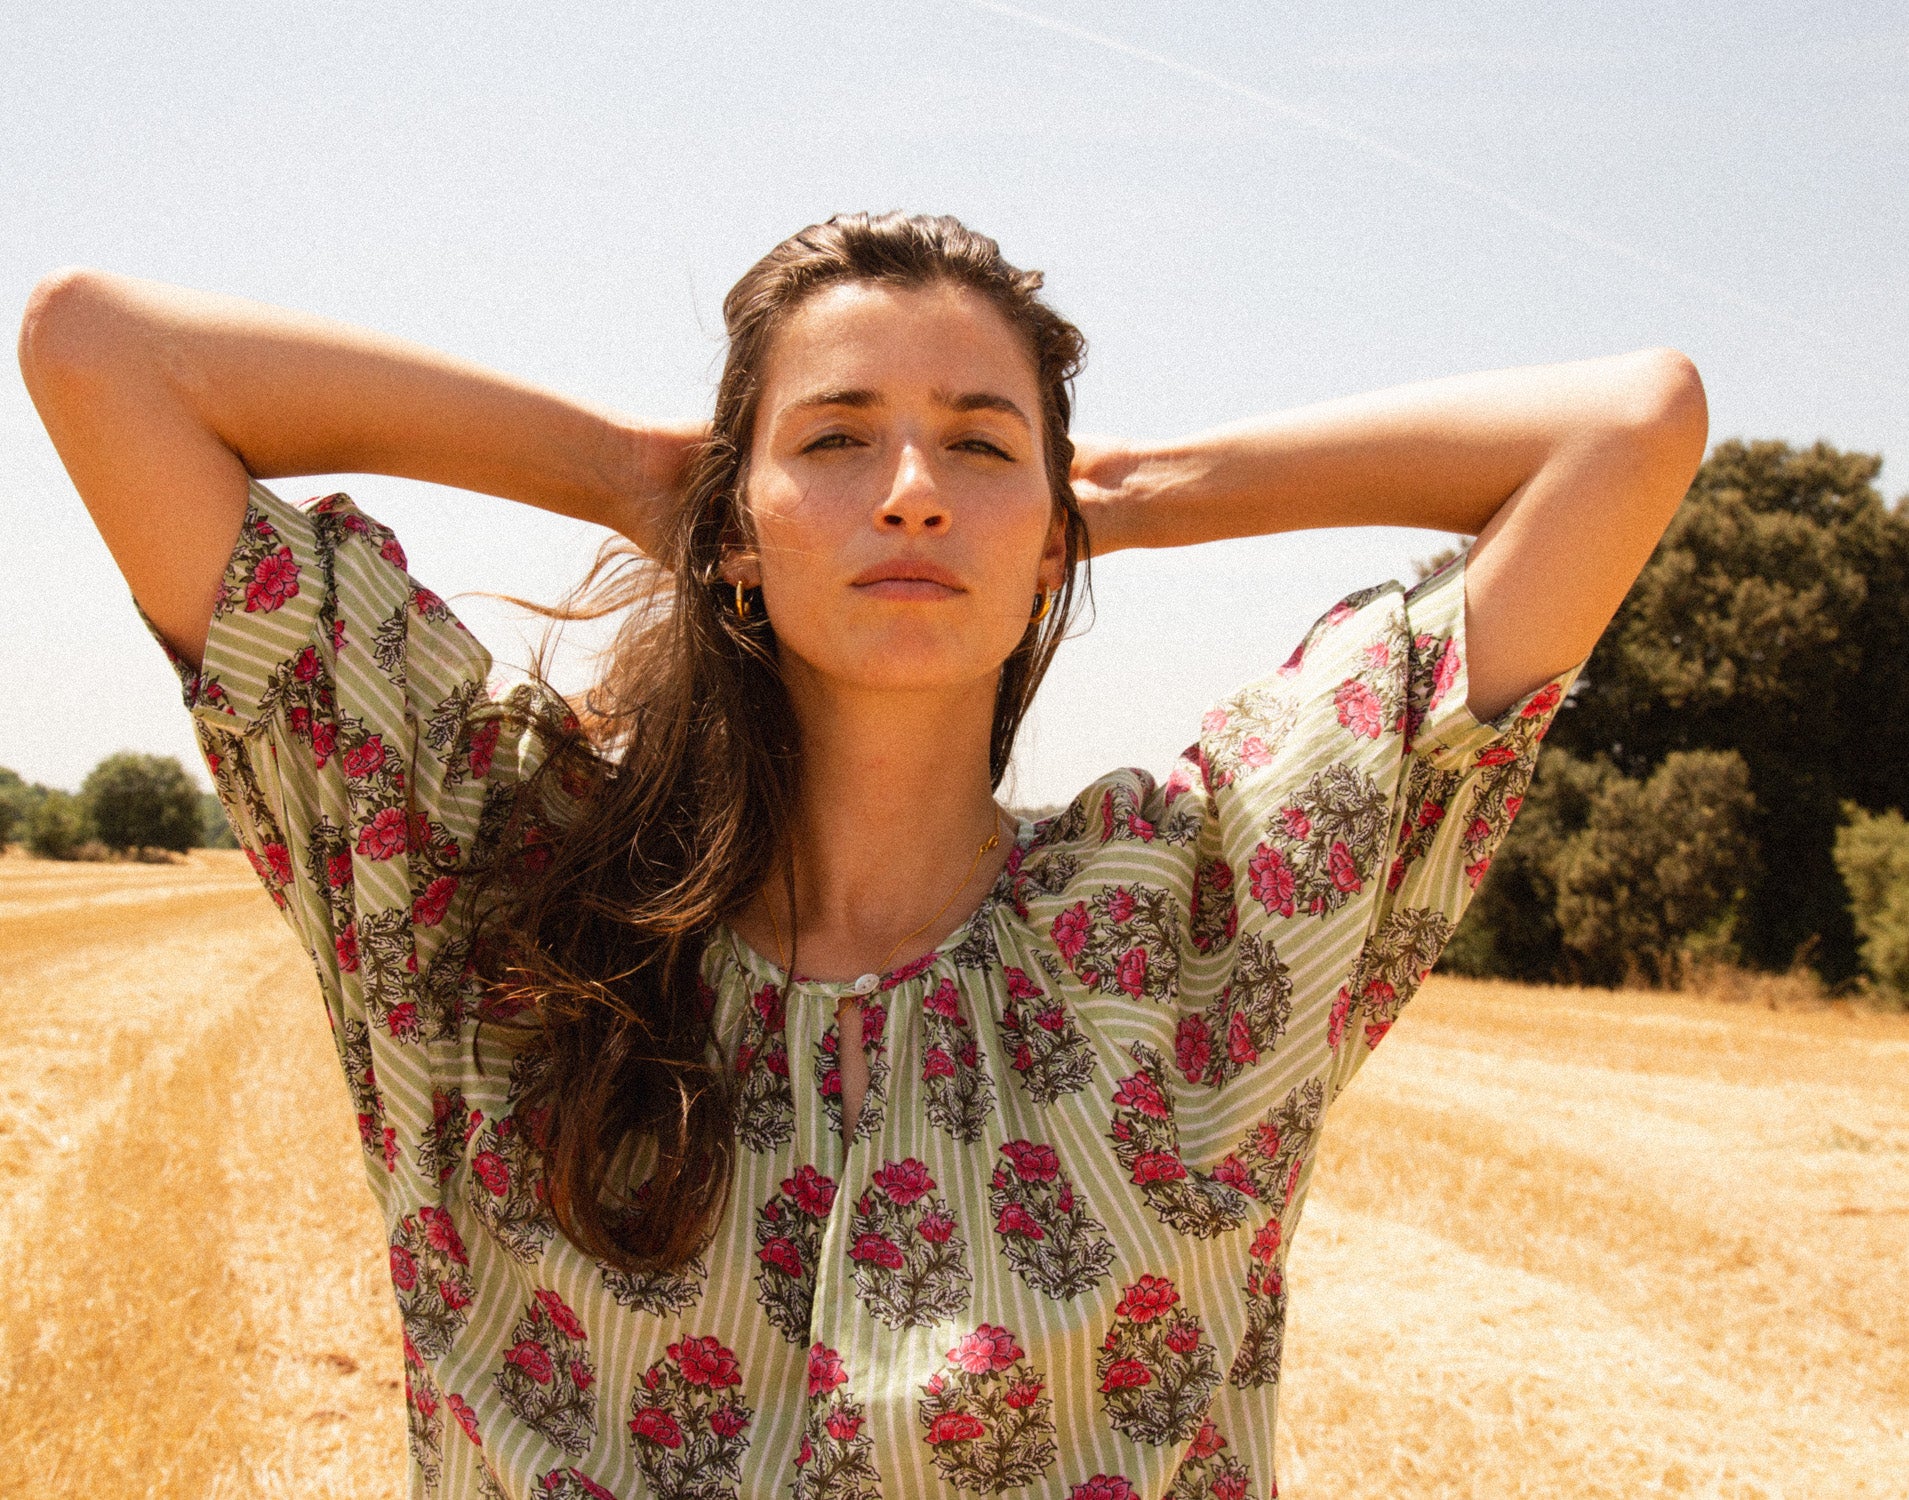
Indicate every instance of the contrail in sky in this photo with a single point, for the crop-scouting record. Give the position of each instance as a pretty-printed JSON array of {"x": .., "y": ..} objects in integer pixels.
[{"x": 1372, "y": 145}]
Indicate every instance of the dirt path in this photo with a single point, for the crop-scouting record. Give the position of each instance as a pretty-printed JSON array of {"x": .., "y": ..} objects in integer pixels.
[{"x": 1562, "y": 1244}]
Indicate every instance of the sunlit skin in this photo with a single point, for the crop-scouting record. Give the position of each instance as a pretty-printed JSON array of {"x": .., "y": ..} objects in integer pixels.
[{"x": 898, "y": 434}]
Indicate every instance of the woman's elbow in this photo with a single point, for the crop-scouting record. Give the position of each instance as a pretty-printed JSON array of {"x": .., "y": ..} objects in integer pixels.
[
  {"x": 68, "y": 325},
  {"x": 1669, "y": 415}
]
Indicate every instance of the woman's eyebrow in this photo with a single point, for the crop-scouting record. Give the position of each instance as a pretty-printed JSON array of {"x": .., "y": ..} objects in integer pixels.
[
  {"x": 984, "y": 401},
  {"x": 861, "y": 398}
]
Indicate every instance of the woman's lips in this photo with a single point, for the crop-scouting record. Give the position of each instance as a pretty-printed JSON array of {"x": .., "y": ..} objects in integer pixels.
[{"x": 908, "y": 578}]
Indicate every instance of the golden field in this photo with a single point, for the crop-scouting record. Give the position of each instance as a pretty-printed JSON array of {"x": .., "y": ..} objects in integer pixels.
[{"x": 1561, "y": 1243}]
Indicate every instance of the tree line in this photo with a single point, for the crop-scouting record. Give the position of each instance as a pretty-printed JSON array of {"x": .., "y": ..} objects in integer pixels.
[
  {"x": 1727, "y": 780},
  {"x": 128, "y": 804}
]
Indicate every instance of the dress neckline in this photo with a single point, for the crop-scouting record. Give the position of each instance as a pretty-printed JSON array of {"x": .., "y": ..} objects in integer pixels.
[{"x": 750, "y": 958}]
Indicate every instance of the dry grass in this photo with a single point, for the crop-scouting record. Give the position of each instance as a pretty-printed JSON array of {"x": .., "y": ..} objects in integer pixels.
[{"x": 1562, "y": 1244}]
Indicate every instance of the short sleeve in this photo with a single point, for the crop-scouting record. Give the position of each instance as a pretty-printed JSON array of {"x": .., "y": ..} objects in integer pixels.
[
  {"x": 344, "y": 714},
  {"x": 1460, "y": 783}
]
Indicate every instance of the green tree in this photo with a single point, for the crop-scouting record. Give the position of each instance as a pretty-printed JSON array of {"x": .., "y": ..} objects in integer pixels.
[
  {"x": 142, "y": 801},
  {"x": 1872, "y": 854},
  {"x": 1772, "y": 620},
  {"x": 59, "y": 825},
  {"x": 16, "y": 806},
  {"x": 1659, "y": 870}
]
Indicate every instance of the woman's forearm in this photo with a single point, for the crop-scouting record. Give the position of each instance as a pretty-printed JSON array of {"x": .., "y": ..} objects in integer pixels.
[
  {"x": 289, "y": 393},
  {"x": 1442, "y": 454}
]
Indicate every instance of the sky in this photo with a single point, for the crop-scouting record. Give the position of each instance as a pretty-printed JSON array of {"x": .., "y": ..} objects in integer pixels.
[{"x": 1245, "y": 206}]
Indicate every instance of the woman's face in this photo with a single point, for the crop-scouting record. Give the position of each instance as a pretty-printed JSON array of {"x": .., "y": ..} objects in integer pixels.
[{"x": 898, "y": 487}]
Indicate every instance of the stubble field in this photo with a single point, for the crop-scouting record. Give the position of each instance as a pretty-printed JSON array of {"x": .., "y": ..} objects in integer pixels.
[{"x": 1561, "y": 1243}]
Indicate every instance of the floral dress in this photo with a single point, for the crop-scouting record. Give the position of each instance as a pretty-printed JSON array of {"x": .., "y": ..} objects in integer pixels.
[{"x": 1051, "y": 1259}]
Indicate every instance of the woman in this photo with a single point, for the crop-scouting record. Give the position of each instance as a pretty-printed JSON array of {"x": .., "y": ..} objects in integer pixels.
[{"x": 991, "y": 1188}]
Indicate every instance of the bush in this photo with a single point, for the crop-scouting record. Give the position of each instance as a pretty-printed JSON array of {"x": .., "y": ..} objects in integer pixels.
[
  {"x": 59, "y": 826},
  {"x": 17, "y": 801},
  {"x": 215, "y": 829},
  {"x": 1872, "y": 856},
  {"x": 143, "y": 801},
  {"x": 1656, "y": 878}
]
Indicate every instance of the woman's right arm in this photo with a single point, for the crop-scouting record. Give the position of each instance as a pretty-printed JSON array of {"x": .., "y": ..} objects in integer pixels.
[{"x": 162, "y": 401}]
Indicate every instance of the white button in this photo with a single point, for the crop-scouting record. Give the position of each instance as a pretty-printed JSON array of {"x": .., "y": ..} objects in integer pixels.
[{"x": 867, "y": 984}]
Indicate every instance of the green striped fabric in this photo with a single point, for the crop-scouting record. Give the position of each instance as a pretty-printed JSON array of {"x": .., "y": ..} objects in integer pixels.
[{"x": 1051, "y": 1261}]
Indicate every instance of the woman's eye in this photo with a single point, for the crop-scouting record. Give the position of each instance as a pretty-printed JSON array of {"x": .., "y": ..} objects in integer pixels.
[
  {"x": 982, "y": 445},
  {"x": 828, "y": 440}
]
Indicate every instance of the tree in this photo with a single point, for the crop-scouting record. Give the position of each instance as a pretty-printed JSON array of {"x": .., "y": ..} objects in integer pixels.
[
  {"x": 16, "y": 806},
  {"x": 1872, "y": 853},
  {"x": 215, "y": 829},
  {"x": 59, "y": 825},
  {"x": 1659, "y": 870},
  {"x": 1772, "y": 620},
  {"x": 142, "y": 801}
]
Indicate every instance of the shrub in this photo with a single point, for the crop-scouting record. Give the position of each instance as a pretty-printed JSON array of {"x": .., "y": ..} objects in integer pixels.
[
  {"x": 1656, "y": 877},
  {"x": 1872, "y": 856},
  {"x": 143, "y": 801},
  {"x": 59, "y": 826}
]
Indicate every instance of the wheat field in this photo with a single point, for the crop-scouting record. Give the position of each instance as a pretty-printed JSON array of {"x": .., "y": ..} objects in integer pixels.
[{"x": 1561, "y": 1243}]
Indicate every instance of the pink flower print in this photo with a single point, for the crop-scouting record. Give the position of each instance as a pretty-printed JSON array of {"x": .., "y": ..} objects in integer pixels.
[
  {"x": 935, "y": 1228},
  {"x": 1147, "y": 1298},
  {"x": 453, "y": 1294},
  {"x": 533, "y": 1359},
  {"x": 954, "y": 1427},
  {"x": 1020, "y": 987},
  {"x": 392, "y": 553},
  {"x": 904, "y": 1181},
  {"x": 1232, "y": 1171},
  {"x": 1546, "y": 700},
  {"x": 1033, "y": 1162},
  {"x": 426, "y": 602},
  {"x": 347, "y": 945},
  {"x": 1132, "y": 971},
  {"x": 324, "y": 741},
  {"x": 1271, "y": 880},
  {"x": 366, "y": 760},
  {"x": 1206, "y": 1442},
  {"x": 1137, "y": 1092},
  {"x": 1183, "y": 1338},
  {"x": 658, "y": 1426},
  {"x": 402, "y": 1022},
  {"x": 305, "y": 665},
  {"x": 987, "y": 1349},
  {"x": 1298, "y": 825},
  {"x": 384, "y": 836},
  {"x": 428, "y": 910},
  {"x": 878, "y": 1249},
  {"x": 466, "y": 1418},
  {"x": 1157, "y": 1166},
  {"x": 491, "y": 1171},
  {"x": 1345, "y": 875},
  {"x": 440, "y": 1233},
  {"x": 842, "y": 1426},
  {"x": 944, "y": 1001},
  {"x": 1193, "y": 1047},
  {"x": 825, "y": 1370},
  {"x": 278, "y": 859},
  {"x": 811, "y": 1192},
  {"x": 1017, "y": 1220},
  {"x": 1120, "y": 905},
  {"x": 1123, "y": 1373},
  {"x": 1231, "y": 1487},
  {"x": 781, "y": 1253},
  {"x": 1253, "y": 753},
  {"x": 728, "y": 1420},
  {"x": 1103, "y": 1487},
  {"x": 273, "y": 581},
  {"x": 338, "y": 871},
  {"x": 1070, "y": 931},
  {"x": 1239, "y": 1041},
  {"x": 705, "y": 1361},
  {"x": 936, "y": 1063},
  {"x": 1050, "y": 1018},
  {"x": 1266, "y": 1243},
  {"x": 1024, "y": 1393},
  {"x": 561, "y": 1315},
  {"x": 1359, "y": 709},
  {"x": 404, "y": 1269}
]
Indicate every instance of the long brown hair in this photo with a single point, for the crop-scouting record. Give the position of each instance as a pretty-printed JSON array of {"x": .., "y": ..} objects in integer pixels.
[{"x": 678, "y": 775}]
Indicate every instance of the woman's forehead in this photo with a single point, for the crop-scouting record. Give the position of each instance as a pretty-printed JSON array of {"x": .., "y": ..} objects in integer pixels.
[{"x": 885, "y": 340}]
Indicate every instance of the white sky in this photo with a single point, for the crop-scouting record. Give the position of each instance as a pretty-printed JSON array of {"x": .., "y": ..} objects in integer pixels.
[{"x": 1246, "y": 206}]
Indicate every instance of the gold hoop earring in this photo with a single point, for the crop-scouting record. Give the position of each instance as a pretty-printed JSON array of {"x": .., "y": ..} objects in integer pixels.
[
  {"x": 742, "y": 602},
  {"x": 1046, "y": 597}
]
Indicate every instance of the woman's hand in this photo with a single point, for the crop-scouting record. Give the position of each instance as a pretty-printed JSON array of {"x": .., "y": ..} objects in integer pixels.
[{"x": 654, "y": 480}]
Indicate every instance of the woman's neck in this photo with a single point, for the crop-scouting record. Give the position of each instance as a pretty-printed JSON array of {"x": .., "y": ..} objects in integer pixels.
[{"x": 895, "y": 803}]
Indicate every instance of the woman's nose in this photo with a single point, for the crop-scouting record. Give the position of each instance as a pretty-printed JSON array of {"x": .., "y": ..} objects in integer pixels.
[{"x": 914, "y": 501}]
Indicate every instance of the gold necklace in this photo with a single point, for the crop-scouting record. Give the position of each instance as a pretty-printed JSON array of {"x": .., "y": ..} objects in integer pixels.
[{"x": 868, "y": 983}]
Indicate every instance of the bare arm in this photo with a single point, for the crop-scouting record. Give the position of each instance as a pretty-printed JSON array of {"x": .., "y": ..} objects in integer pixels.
[
  {"x": 161, "y": 402},
  {"x": 1567, "y": 474}
]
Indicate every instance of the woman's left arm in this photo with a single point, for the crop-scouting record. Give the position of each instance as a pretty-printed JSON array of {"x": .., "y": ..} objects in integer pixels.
[{"x": 1567, "y": 475}]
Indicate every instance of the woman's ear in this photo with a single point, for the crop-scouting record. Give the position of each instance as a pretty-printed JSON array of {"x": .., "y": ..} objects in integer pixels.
[{"x": 1053, "y": 570}]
